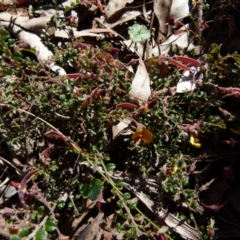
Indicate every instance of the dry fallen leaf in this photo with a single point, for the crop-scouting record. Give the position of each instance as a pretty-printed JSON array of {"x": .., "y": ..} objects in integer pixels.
[
  {"x": 140, "y": 87},
  {"x": 115, "y": 5},
  {"x": 166, "y": 9},
  {"x": 122, "y": 128}
]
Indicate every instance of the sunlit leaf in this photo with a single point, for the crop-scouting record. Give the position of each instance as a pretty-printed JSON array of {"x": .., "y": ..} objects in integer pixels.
[
  {"x": 126, "y": 106},
  {"x": 41, "y": 235},
  {"x": 50, "y": 226},
  {"x": 110, "y": 166},
  {"x": 189, "y": 60},
  {"x": 24, "y": 231},
  {"x": 94, "y": 188},
  {"x": 179, "y": 65}
]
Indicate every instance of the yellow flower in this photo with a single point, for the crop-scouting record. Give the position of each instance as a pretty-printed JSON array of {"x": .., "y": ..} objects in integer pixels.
[{"x": 195, "y": 142}]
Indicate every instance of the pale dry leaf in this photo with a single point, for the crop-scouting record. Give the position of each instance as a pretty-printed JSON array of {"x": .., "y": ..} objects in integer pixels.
[
  {"x": 187, "y": 83},
  {"x": 114, "y": 6},
  {"x": 174, "y": 41},
  {"x": 128, "y": 15},
  {"x": 162, "y": 12},
  {"x": 117, "y": 15},
  {"x": 180, "y": 41},
  {"x": 179, "y": 9},
  {"x": 140, "y": 87},
  {"x": 165, "y": 9},
  {"x": 185, "y": 230},
  {"x": 88, "y": 206},
  {"x": 122, "y": 128},
  {"x": 9, "y": 192},
  {"x": 92, "y": 231}
]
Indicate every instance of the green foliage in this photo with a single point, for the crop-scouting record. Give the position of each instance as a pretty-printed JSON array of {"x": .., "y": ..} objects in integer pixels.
[
  {"x": 92, "y": 189},
  {"x": 41, "y": 235},
  {"x": 66, "y": 124},
  {"x": 138, "y": 33},
  {"x": 50, "y": 226},
  {"x": 24, "y": 232}
]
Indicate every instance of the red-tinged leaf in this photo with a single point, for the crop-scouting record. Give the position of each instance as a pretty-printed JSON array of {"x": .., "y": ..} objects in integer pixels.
[
  {"x": 112, "y": 49},
  {"x": 126, "y": 106},
  {"x": 189, "y": 60},
  {"x": 162, "y": 237},
  {"x": 27, "y": 178},
  {"x": 23, "y": 184},
  {"x": 56, "y": 138},
  {"x": 73, "y": 75},
  {"x": 15, "y": 184},
  {"x": 55, "y": 135},
  {"x": 152, "y": 103},
  {"x": 179, "y": 65},
  {"x": 202, "y": 24},
  {"x": 22, "y": 2},
  {"x": 180, "y": 31},
  {"x": 46, "y": 155}
]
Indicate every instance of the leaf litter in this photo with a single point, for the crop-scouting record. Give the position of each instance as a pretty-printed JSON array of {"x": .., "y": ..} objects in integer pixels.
[{"x": 160, "y": 78}]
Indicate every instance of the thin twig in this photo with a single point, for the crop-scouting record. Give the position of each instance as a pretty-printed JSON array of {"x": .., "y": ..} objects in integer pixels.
[
  {"x": 50, "y": 125},
  {"x": 139, "y": 232}
]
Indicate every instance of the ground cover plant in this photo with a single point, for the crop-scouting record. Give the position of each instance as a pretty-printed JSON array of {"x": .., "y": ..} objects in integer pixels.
[{"x": 119, "y": 120}]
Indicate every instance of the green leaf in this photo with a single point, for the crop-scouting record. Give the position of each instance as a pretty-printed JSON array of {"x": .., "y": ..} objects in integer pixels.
[
  {"x": 138, "y": 33},
  {"x": 33, "y": 216},
  {"x": 14, "y": 237},
  {"x": 41, "y": 209},
  {"x": 17, "y": 56},
  {"x": 127, "y": 196},
  {"x": 41, "y": 235},
  {"x": 95, "y": 186},
  {"x": 110, "y": 166},
  {"x": 118, "y": 183},
  {"x": 24, "y": 232},
  {"x": 132, "y": 205},
  {"x": 118, "y": 226},
  {"x": 120, "y": 203},
  {"x": 50, "y": 226},
  {"x": 132, "y": 233},
  {"x": 4, "y": 35},
  {"x": 61, "y": 204},
  {"x": 120, "y": 212}
]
